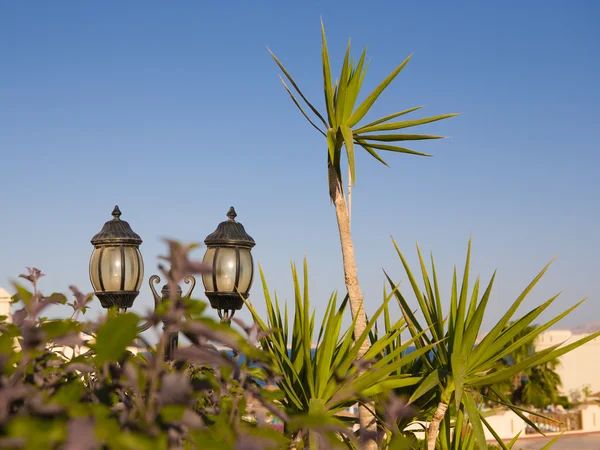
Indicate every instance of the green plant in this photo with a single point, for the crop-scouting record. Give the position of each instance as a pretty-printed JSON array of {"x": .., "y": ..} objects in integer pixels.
[
  {"x": 319, "y": 382},
  {"x": 71, "y": 384},
  {"x": 422, "y": 407},
  {"x": 459, "y": 365},
  {"x": 587, "y": 392},
  {"x": 340, "y": 127}
]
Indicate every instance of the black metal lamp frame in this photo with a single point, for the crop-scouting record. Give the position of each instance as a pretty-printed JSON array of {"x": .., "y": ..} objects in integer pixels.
[
  {"x": 118, "y": 233},
  {"x": 173, "y": 339},
  {"x": 229, "y": 234}
]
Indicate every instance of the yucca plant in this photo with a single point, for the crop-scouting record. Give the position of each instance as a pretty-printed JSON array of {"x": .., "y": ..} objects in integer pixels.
[
  {"x": 425, "y": 404},
  {"x": 320, "y": 375},
  {"x": 455, "y": 431},
  {"x": 341, "y": 128},
  {"x": 459, "y": 365}
]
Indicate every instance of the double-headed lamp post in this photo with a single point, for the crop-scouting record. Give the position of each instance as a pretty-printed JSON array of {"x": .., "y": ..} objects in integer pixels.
[{"x": 117, "y": 268}]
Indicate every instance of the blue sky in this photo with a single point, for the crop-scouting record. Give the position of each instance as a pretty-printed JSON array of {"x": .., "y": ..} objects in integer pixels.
[{"x": 175, "y": 112}]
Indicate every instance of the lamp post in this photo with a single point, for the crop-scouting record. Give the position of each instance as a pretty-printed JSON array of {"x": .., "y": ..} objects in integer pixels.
[{"x": 117, "y": 269}]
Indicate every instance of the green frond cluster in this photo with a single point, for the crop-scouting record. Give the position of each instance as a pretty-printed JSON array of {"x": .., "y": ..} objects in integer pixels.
[{"x": 340, "y": 123}]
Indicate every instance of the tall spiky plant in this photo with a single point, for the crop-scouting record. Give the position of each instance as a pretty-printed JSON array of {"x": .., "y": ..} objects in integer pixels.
[
  {"x": 458, "y": 367},
  {"x": 340, "y": 127},
  {"x": 320, "y": 382}
]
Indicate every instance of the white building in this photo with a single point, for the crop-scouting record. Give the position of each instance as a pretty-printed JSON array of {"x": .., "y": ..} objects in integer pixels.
[
  {"x": 5, "y": 305},
  {"x": 579, "y": 367}
]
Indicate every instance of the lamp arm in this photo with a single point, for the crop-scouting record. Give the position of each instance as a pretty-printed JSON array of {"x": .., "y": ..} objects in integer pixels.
[
  {"x": 154, "y": 279},
  {"x": 187, "y": 280}
]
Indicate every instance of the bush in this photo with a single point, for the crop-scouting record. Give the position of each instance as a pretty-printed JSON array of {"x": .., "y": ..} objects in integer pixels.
[{"x": 73, "y": 384}]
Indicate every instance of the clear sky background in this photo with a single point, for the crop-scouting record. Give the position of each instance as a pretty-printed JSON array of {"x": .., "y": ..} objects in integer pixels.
[{"x": 175, "y": 112}]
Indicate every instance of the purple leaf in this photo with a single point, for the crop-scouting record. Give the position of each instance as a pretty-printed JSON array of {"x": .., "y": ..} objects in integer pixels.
[
  {"x": 80, "y": 367},
  {"x": 69, "y": 340},
  {"x": 33, "y": 275},
  {"x": 192, "y": 420},
  {"x": 19, "y": 317},
  {"x": 81, "y": 434},
  {"x": 175, "y": 389},
  {"x": 181, "y": 265}
]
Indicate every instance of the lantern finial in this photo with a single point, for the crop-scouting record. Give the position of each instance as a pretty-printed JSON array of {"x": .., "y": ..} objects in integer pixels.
[
  {"x": 116, "y": 213},
  {"x": 116, "y": 231},
  {"x": 232, "y": 214}
]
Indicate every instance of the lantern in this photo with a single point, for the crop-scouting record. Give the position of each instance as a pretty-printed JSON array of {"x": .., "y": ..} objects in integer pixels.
[
  {"x": 116, "y": 265},
  {"x": 228, "y": 252}
]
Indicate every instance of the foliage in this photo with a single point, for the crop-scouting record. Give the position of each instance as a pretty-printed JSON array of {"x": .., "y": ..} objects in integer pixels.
[
  {"x": 459, "y": 365},
  {"x": 421, "y": 408},
  {"x": 536, "y": 386},
  {"x": 541, "y": 386},
  {"x": 582, "y": 395},
  {"x": 71, "y": 384},
  {"x": 325, "y": 379},
  {"x": 339, "y": 123},
  {"x": 101, "y": 385}
]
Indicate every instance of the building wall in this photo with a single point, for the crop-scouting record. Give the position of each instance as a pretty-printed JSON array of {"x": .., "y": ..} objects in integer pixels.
[
  {"x": 590, "y": 418},
  {"x": 577, "y": 367},
  {"x": 5, "y": 306},
  {"x": 506, "y": 424}
]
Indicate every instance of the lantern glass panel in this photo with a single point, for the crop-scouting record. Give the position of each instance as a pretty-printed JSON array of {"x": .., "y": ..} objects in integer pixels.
[
  {"x": 246, "y": 270},
  {"x": 207, "y": 278},
  {"x": 94, "y": 277},
  {"x": 134, "y": 271},
  {"x": 111, "y": 268},
  {"x": 225, "y": 266}
]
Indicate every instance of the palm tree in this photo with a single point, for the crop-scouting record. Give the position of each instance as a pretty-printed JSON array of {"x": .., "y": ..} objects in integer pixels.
[
  {"x": 541, "y": 386},
  {"x": 536, "y": 386},
  {"x": 340, "y": 127}
]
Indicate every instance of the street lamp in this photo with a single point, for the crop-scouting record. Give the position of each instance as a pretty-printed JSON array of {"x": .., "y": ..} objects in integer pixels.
[
  {"x": 117, "y": 269},
  {"x": 116, "y": 265},
  {"x": 228, "y": 253}
]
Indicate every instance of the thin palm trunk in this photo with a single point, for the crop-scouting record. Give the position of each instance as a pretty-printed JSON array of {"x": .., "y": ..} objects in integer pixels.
[
  {"x": 368, "y": 425},
  {"x": 350, "y": 275},
  {"x": 434, "y": 426}
]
